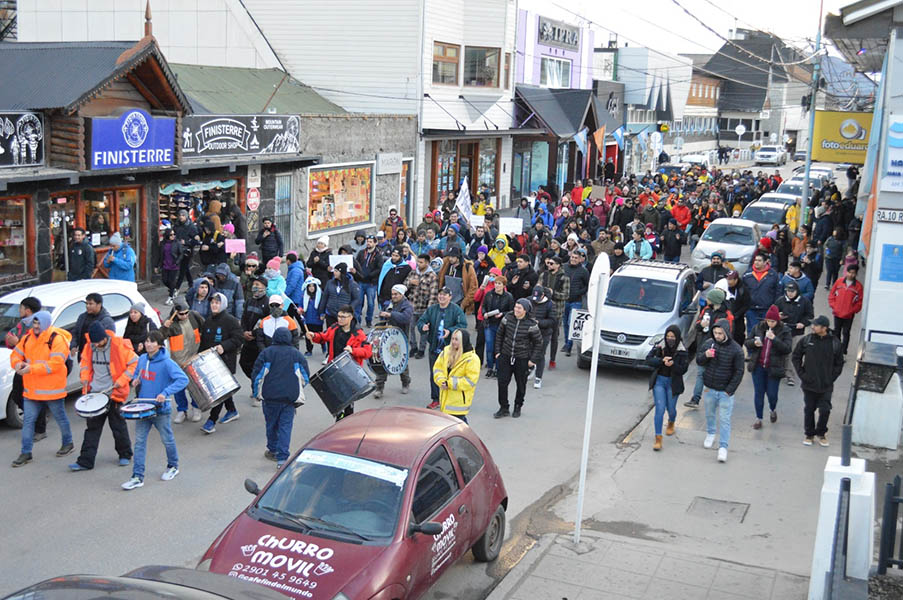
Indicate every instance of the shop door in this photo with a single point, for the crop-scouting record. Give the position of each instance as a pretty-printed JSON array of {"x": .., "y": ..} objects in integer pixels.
[
  {"x": 517, "y": 174},
  {"x": 62, "y": 224},
  {"x": 467, "y": 153},
  {"x": 128, "y": 218}
]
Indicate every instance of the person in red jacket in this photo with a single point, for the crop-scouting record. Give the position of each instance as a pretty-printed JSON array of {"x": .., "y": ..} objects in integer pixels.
[
  {"x": 845, "y": 300},
  {"x": 681, "y": 212},
  {"x": 344, "y": 336}
]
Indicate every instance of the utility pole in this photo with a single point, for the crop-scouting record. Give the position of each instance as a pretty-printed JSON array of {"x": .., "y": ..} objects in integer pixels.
[{"x": 812, "y": 94}]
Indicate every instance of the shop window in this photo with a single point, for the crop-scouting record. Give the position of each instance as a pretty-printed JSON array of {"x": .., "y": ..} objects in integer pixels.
[
  {"x": 12, "y": 238},
  {"x": 481, "y": 66},
  {"x": 446, "y": 58},
  {"x": 97, "y": 217},
  {"x": 62, "y": 223},
  {"x": 283, "y": 213},
  {"x": 446, "y": 165},
  {"x": 486, "y": 175},
  {"x": 555, "y": 72}
]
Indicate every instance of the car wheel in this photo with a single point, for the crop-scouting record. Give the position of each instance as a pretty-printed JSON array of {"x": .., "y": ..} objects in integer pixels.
[
  {"x": 14, "y": 415},
  {"x": 489, "y": 545},
  {"x": 583, "y": 362}
]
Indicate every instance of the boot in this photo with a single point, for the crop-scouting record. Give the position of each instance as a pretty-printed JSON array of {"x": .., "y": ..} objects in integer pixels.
[
  {"x": 658, "y": 443},
  {"x": 669, "y": 430}
]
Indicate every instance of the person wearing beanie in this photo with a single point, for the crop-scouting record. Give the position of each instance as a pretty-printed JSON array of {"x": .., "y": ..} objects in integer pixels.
[
  {"x": 318, "y": 260},
  {"x": 713, "y": 311},
  {"x": 669, "y": 361},
  {"x": 276, "y": 283},
  {"x": 108, "y": 364},
  {"x": 222, "y": 332},
  {"x": 710, "y": 275},
  {"x": 340, "y": 290},
  {"x": 137, "y": 326},
  {"x": 818, "y": 361},
  {"x": 120, "y": 259},
  {"x": 213, "y": 244},
  {"x": 768, "y": 348},
  {"x": 189, "y": 236},
  {"x": 182, "y": 329},
  {"x": 722, "y": 359},
  {"x": 518, "y": 348},
  {"x": 763, "y": 284},
  {"x": 398, "y": 313},
  {"x": 458, "y": 274},
  {"x": 43, "y": 385},
  {"x": 269, "y": 240}
]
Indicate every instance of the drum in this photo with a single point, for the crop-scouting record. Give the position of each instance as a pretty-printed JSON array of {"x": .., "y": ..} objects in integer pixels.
[
  {"x": 138, "y": 410},
  {"x": 341, "y": 382},
  {"x": 92, "y": 405},
  {"x": 390, "y": 350},
  {"x": 209, "y": 380}
]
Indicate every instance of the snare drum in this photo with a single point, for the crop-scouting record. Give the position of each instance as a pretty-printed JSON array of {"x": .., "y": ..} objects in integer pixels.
[
  {"x": 390, "y": 350},
  {"x": 209, "y": 380},
  {"x": 92, "y": 405},
  {"x": 138, "y": 410},
  {"x": 341, "y": 382}
]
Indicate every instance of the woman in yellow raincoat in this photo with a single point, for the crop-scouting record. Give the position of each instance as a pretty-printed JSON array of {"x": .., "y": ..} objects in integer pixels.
[{"x": 456, "y": 372}]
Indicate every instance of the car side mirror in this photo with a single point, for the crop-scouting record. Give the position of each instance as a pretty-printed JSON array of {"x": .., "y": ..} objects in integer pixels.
[
  {"x": 251, "y": 487},
  {"x": 426, "y": 528}
]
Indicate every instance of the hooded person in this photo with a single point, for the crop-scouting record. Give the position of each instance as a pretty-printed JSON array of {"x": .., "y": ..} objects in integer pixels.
[
  {"x": 500, "y": 249},
  {"x": 309, "y": 308},
  {"x": 456, "y": 373},
  {"x": 340, "y": 290},
  {"x": 669, "y": 361},
  {"x": 229, "y": 286},
  {"x": 723, "y": 360},
  {"x": 545, "y": 312},
  {"x": 120, "y": 260},
  {"x": 393, "y": 271},
  {"x": 318, "y": 260},
  {"x": 222, "y": 332}
]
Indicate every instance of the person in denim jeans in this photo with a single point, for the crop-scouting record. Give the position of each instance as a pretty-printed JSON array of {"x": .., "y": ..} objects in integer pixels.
[
  {"x": 669, "y": 361},
  {"x": 723, "y": 360},
  {"x": 32, "y": 409},
  {"x": 156, "y": 379},
  {"x": 367, "y": 265}
]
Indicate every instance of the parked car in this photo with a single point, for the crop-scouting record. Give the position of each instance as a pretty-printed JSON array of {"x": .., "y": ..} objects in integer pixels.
[
  {"x": 644, "y": 297},
  {"x": 701, "y": 160},
  {"x": 65, "y": 301},
  {"x": 377, "y": 506},
  {"x": 791, "y": 187},
  {"x": 766, "y": 213},
  {"x": 147, "y": 583},
  {"x": 779, "y": 197},
  {"x": 799, "y": 155},
  {"x": 737, "y": 237},
  {"x": 770, "y": 155}
]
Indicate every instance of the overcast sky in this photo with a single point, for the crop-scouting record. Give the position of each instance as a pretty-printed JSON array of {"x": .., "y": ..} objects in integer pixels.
[{"x": 662, "y": 25}]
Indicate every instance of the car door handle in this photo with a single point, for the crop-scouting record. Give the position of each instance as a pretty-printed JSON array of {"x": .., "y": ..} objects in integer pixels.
[{"x": 462, "y": 509}]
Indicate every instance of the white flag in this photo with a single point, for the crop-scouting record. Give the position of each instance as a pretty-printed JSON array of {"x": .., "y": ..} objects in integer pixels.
[
  {"x": 598, "y": 284},
  {"x": 463, "y": 203}
]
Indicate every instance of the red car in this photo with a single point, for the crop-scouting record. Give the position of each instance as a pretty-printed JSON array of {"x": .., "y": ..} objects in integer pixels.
[{"x": 374, "y": 508}]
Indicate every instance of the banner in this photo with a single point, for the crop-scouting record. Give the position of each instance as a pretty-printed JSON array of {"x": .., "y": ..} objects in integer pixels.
[
  {"x": 240, "y": 135},
  {"x": 463, "y": 202},
  {"x": 841, "y": 136},
  {"x": 339, "y": 197},
  {"x": 135, "y": 139},
  {"x": 618, "y": 134},
  {"x": 21, "y": 139}
]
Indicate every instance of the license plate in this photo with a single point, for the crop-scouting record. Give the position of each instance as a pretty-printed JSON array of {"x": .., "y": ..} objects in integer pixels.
[{"x": 617, "y": 352}]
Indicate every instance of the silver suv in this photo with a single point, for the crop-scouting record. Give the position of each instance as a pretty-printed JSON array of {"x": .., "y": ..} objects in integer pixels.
[{"x": 644, "y": 298}]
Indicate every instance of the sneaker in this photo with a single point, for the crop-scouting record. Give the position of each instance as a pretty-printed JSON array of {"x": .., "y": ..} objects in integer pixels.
[
  {"x": 230, "y": 416},
  {"x": 169, "y": 301},
  {"x": 567, "y": 351},
  {"x": 279, "y": 465},
  {"x": 433, "y": 405},
  {"x": 22, "y": 459},
  {"x": 692, "y": 403},
  {"x": 123, "y": 462},
  {"x": 170, "y": 473},
  {"x": 196, "y": 414},
  {"x": 757, "y": 424},
  {"x": 418, "y": 354},
  {"x": 255, "y": 402},
  {"x": 65, "y": 449},
  {"x": 40, "y": 436},
  {"x": 722, "y": 454},
  {"x": 773, "y": 417},
  {"x": 808, "y": 440},
  {"x": 269, "y": 456},
  {"x": 791, "y": 382},
  {"x": 709, "y": 441},
  {"x": 180, "y": 417},
  {"x": 325, "y": 360},
  {"x": 378, "y": 393},
  {"x": 823, "y": 441},
  {"x": 552, "y": 364},
  {"x": 77, "y": 467},
  {"x": 208, "y": 427},
  {"x": 500, "y": 413},
  {"x": 308, "y": 354},
  {"x": 516, "y": 413},
  {"x": 134, "y": 482},
  {"x": 405, "y": 389},
  {"x": 537, "y": 383}
]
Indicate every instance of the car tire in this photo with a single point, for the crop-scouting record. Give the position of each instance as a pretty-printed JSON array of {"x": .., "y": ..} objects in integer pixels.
[
  {"x": 14, "y": 415},
  {"x": 489, "y": 545},
  {"x": 583, "y": 362}
]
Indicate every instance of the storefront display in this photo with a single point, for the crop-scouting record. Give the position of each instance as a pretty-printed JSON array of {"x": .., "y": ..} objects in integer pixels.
[
  {"x": 195, "y": 198},
  {"x": 63, "y": 211},
  {"x": 12, "y": 238},
  {"x": 339, "y": 196},
  {"x": 453, "y": 160}
]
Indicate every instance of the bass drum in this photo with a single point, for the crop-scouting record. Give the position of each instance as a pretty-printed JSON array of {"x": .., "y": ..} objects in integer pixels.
[
  {"x": 209, "y": 380},
  {"x": 390, "y": 350},
  {"x": 341, "y": 382}
]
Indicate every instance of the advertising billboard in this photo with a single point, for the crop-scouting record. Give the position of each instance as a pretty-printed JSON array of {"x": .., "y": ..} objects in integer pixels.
[
  {"x": 339, "y": 197},
  {"x": 841, "y": 137}
]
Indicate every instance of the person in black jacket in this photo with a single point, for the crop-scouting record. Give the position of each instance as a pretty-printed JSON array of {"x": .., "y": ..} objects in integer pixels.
[
  {"x": 672, "y": 241},
  {"x": 579, "y": 277},
  {"x": 522, "y": 280},
  {"x": 256, "y": 307},
  {"x": 669, "y": 362},
  {"x": 737, "y": 300},
  {"x": 339, "y": 291},
  {"x": 213, "y": 245},
  {"x": 223, "y": 332},
  {"x": 545, "y": 312},
  {"x": 398, "y": 314},
  {"x": 518, "y": 347},
  {"x": 188, "y": 234},
  {"x": 818, "y": 360},
  {"x": 137, "y": 326},
  {"x": 318, "y": 260},
  {"x": 722, "y": 358},
  {"x": 796, "y": 311},
  {"x": 94, "y": 311},
  {"x": 713, "y": 311},
  {"x": 367, "y": 266},
  {"x": 495, "y": 305},
  {"x": 768, "y": 348},
  {"x": 82, "y": 258},
  {"x": 269, "y": 240}
]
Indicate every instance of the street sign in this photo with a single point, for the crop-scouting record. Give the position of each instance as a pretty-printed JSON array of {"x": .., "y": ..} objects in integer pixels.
[
  {"x": 889, "y": 215},
  {"x": 253, "y": 198},
  {"x": 740, "y": 130},
  {"x": 575, "y": 327},
  {"x": 254, "y": 176}
]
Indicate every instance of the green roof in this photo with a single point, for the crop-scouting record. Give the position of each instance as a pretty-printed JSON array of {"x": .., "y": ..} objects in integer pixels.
[{"x": 237, "y": 91}]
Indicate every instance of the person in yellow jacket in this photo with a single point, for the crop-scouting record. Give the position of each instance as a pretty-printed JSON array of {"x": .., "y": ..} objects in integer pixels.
[
  {"x": 456, "y": 372},
  {"x": 40, "y": 358},
  {"x": 499, "y": 250},
  {"x": 479, "y": 207},
  {"x": 793, "y": 217}
]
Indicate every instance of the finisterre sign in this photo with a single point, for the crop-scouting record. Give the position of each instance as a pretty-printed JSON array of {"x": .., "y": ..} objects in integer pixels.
[
  {"x": 240, "y": 135},
  {"x": 134, "y": 139}
]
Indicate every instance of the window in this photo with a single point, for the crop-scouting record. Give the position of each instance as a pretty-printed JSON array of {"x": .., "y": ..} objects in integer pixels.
[
  {"x": 717, "y": 91},
  {"x": 555, "y": 72},
  {"x": 481, "y": 66},
  {"x": 445, "y": 63},
  {"x": 97, "y": 216},
  {"x": 487, "y": 166},
  {"x": 66, "y": 320},
  {"x": 117, "y": 305},
  {"x": 470, "y": 461},
  {"x": 507, "y": 73},
  {"x": 436, "y": 485},
  {"x": 283, "y": 215},
  {"x": 12, "y": 238},
  {"x": 687, "y": 294}
]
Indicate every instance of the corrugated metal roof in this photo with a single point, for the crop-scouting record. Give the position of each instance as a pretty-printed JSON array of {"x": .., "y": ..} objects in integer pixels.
[
  {"x": 46, "y": 75},
  {"x": 234, "y": 90}
]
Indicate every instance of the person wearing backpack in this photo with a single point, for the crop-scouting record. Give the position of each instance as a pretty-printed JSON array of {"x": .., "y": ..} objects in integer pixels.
[
  {"x": 40, "y": 358},
  {"x": 107, "y": 366},
  {"x": 27, "y": 309}
]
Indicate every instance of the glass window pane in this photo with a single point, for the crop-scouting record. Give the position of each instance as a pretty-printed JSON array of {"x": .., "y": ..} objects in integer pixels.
[
  {"x": 436, "y": 485},
  {"x": 451, "y": 51},
  {"x": 97, "y": 216},
  {"x": 128, "y": 220},
  {"x": 445, "y": 72},
  {"x": 481, "y": 67},
  {"x": 66, "y": 320},
  {"x": 487, "y": 166},
  {"x": 117, "y": 305},
  {"x": 469, "y": 458},
  {"x": 12, "y": 237},
  {"x": 438, "y": 50},
  {"x": 283, "y": 214}
]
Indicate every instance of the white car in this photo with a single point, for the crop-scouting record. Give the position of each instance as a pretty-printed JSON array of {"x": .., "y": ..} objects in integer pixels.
[
  {"x": 736, "y": 237},
  {"x": 770, "y": 155},
  {"x": 65, "y": 301},
  {"x": 696, "y": 159},
  {"x": 766, "y": 213},
  {"x": 782, "y": 198}
]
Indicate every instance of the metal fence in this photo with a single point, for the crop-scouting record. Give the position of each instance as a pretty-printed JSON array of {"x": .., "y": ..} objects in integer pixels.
[{"x": 892, "y": 501}]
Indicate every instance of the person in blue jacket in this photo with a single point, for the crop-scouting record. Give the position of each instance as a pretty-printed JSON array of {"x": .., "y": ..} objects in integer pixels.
[
  {"x": 638, "y": 247},
  {"x": 294, "y": 279},
  {"x": 804, "y": 284},
  {"x": 120, "y": 260},
  {"x": 279, "y": 376},
  {"x": 157, "y": 378}
]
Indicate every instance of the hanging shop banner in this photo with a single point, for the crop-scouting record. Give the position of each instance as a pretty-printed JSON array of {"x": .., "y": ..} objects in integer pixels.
[
  {"x": 841, "y": 137},
  {"x": 240, "y": 135},
  {"x": 135, "y": 139},
  {"x": 339, "y": 197},
  {"x": 21, "y": 139}
]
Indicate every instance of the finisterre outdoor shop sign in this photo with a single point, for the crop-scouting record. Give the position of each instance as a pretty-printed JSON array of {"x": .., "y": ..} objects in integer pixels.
[
  {"x": 134, "y": 139},
  {"x": 240, "y": 135}
]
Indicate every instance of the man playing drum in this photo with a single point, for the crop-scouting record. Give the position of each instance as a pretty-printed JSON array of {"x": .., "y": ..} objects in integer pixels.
[
  {"x": 398, "y": 314},
  {"x": 345, "y": 336},
  {"x": 107, "y": 365}
]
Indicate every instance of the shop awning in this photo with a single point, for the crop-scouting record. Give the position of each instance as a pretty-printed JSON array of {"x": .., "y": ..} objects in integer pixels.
[
  {"x": 562, "y": 111},
  {"x": 478, "y": 133}
]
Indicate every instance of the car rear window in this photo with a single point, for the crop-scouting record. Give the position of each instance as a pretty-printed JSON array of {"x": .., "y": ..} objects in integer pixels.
[
  {"x": 764, "y": 214},
  {"x": 768, "y": 149},
  {"x": 729, "y": 234}
]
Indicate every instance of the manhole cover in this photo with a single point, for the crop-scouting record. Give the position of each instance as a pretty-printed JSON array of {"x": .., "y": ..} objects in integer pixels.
[{"x": 722, "y": 510}]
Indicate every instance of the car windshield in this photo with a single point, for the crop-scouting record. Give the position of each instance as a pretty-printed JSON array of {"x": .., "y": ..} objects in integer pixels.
[
  {"x": 640, "y": 293},
  {"x": 343, "y": 495},
  {"x": 764, "y": 214},
  {"x": 790, "y": 188},
  {"x": 9, "y": 315},
  {"x": 729, "y": 234},
  {"x": 768, "y": 149}
]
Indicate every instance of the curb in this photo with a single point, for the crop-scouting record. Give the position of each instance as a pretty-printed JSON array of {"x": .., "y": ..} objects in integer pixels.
[{"x": 520, "y": 571}]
